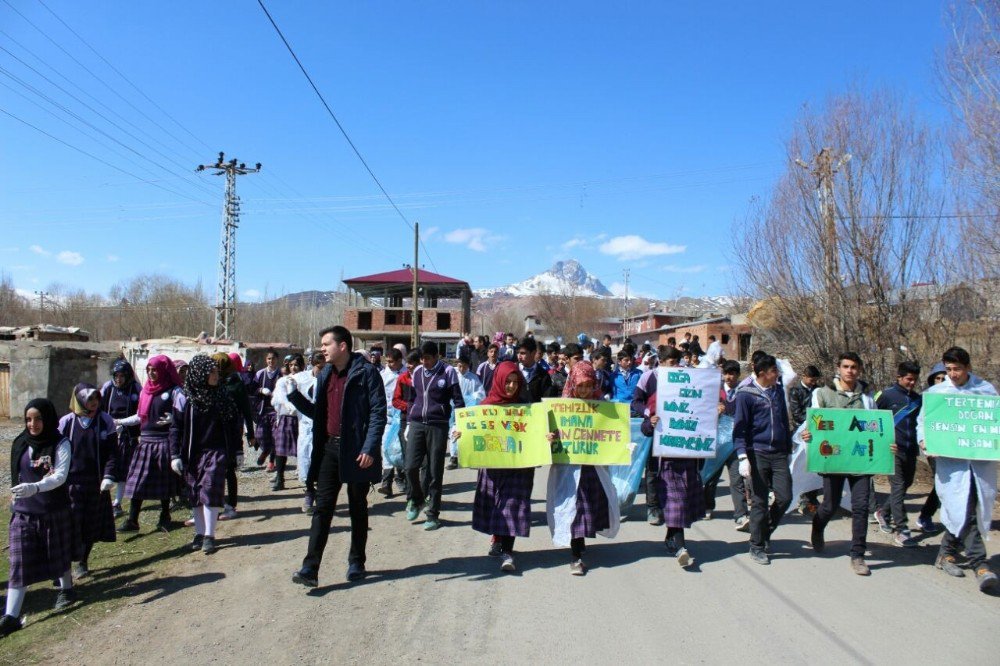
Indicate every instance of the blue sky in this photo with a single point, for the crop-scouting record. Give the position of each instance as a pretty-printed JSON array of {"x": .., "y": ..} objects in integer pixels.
[{"x": 626, "y": 134}]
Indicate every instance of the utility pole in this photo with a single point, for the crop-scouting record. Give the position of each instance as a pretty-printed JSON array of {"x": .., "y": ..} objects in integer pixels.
[
  {"x": 415, "y": 336},
  {"x": 225, "y": 296},
  {"x": 41, "y": 301},
  {"x": 625, "y": 326},
  {"x": 823, "y": 170}
]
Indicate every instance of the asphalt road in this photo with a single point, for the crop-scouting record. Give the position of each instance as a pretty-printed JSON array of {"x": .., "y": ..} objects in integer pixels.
[{"x": 435, "y": 597}]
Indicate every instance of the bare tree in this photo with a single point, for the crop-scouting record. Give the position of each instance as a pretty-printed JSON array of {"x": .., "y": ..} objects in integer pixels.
[{"x": 877, "y": 230}]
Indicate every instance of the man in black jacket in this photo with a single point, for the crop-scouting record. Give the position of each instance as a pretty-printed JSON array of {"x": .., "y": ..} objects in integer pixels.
[
  {"x": 537, "y": 382},
  {"x": 349, "y": 417}
]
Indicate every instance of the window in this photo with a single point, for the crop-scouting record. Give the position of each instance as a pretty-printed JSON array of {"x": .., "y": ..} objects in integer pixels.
[
  {"x": 725, "y": 338},
  {"x": 744, "y": 346},
  {"x": 365, "y": 321},
  {"x": 394, "y": 302},
  {"x": 430, "y": 301},
  {"x": 443, "y": 321},
  {"x": 392, "y": 318}
]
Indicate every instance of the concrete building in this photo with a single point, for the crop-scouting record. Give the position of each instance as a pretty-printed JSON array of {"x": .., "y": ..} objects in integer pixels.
[{"x": 380, "y": 309}]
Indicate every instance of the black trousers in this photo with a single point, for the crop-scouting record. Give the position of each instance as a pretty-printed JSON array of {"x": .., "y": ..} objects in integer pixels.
[
  {"x": 769, "y": 472},
  {"x": 833, "y": 487},
  {"x": 231, "y": 487},
  {"x": 969, "y": 538},
  {"x": 652, "y": 471},
  {"x": 932, "y": 503},
  {"x": 899, "y": 483},
  {"x": 737, "y": 488},
  {"x": 430, "y": 442},
  {"x": 328, "y": 486}
]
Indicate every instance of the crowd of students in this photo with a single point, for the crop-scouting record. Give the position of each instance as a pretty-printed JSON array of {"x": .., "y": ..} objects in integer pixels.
[{"x": 177, "y": 438}]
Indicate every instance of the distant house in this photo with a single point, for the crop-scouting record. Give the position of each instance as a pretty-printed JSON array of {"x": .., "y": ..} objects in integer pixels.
[
  {"x": 380, "y": 309},
  {"x": 732, "y": 331},
  {"x": 597, "y": 328},
  {"x": 44, "y": 333}
]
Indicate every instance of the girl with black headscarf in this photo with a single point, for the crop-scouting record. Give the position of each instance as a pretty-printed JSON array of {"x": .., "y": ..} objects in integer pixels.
[
  {"x": 120, "y": 400},
  {"x": 91, "y": 432},
  {"x": 199, "y": 443},
  {"x": 40, "y": 521}
]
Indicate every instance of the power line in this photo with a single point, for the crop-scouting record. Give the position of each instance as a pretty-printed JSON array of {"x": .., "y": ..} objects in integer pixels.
[
  {"x": 339, "y": 126},
  {"x": 94, "y": 157},
  {"x": 124, "y": 78}
]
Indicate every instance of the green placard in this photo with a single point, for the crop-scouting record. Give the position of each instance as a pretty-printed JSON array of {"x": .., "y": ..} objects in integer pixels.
[
  {"x": 960, "y": 425},
  {"x": 851, "y": 441},
  {"x": 501, "y": 437},
  {"x": 588, "y": 432}
]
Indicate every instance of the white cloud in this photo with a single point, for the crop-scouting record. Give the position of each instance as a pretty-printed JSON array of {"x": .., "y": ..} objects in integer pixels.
[
  {"x": 427, "y": 233},
  {"x": 634, "y": 247},
  {"x": 38, "y": 249},
  {"x": 113, "y": 258},
  {"x": 251, "y": 293},
  {"x": 674, "y": 268},
  {"x": 69, "y": 258},
  {"x": 574, "y": 242},
  {"x": 476, "y": 239},
  {"x": 5, "y": 250}
]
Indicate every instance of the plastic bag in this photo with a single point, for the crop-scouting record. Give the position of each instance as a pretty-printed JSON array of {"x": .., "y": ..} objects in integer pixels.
[
  {"x": 392, "y": 448},
  {"x": 723, "y": 449},
  {"x": 626, "y": 478}
]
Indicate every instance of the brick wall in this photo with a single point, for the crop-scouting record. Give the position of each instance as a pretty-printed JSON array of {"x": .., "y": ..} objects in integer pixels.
[{"x": 429, "y": 320}]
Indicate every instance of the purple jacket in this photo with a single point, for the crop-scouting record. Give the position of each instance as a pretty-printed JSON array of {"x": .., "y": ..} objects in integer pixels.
[{"x": 434, "y": 392}]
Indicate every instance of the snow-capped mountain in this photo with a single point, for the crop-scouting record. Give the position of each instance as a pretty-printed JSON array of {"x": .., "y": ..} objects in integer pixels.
[{"x": 564, "y": 278}]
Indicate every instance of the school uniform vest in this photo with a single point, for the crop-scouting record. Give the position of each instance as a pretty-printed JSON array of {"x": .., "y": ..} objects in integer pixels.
[
  {"x": 39, "y": 503},
  {"x": 159, "y": 407}
]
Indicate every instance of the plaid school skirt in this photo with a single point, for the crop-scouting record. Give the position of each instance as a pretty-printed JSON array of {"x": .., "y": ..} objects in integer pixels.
[
  {"x": 502, "y": 506},
  {"x": 149, "y": 474},
  {"x": 286, "y": 436},
  {"x": 92, "y": 518},
  {"x": 592, "y": 512},
  {"x": 206, "y": 478},
  {"x": 40, "y": 548},
  {"x": 680, "y": 491},
  {"x": 263, "y": 432}
]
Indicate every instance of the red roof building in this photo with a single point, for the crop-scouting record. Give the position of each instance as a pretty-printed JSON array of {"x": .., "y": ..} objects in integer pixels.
[{"x": 380, "y": 308}]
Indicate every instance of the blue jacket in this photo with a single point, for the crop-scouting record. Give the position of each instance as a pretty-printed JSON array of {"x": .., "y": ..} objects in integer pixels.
[
  {"x": 362, "y": 417},
  {"x": 624, "y": 384},
  {"x": 434, "y": 392},
  {"x": 896, "y": 398},
  {"x": 761, "y": 421}
]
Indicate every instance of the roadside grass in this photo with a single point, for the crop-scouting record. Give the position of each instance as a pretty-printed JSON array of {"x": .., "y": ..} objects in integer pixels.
[{"x": 118, "y": 571}]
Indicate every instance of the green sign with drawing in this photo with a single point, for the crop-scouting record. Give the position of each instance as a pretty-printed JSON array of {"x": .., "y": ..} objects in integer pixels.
[{"x": 851, "y": 441}]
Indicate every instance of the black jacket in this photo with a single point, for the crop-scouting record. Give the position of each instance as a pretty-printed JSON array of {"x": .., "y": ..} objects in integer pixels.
[
  {"x": 539, "y": 387},
  {"x": 363, "y": 419},
  {"x": 799, "y": 400},
  {"x": 896, "y": 398}
]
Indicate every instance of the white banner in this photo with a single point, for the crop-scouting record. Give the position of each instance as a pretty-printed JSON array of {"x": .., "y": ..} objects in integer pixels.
[{"x": 687, "y": 402}]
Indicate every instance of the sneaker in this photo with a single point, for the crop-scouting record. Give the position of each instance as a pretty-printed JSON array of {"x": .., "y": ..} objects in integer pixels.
[
  {"x": 400, "y": 484},
  {"x": 904, "y": 539},
  {"x": 261, "y": 458},
  {"x": 356, "y": 571},
  {"x": 859, "y": 566},
  {"x": 807, "y": 508},
  {"x": 117, "y": 510},
  {"x": 452, "y": 463},
  {"x": 988, "y": 581},
  {"x": 926, "y": 525},
  {"x": 270, "y": 468},
  {"x": 883, "y": 522},
  {"x": 385, "y": 489},
  {"x": 9, "y": 624},
  {"x": 872, "y": 520},
  {"x": 671, "y": 547},
  {"x": 65, "y": 599},
  {"x": 759, "y": 556},
  {"x": 163, "y": 525},
  {"x": 128, "y": 526},
  {"x": 307, "y": 505},
  {"x": 306, "y": 577},
  {"x": 197, "y": 542},
  {"x": 684, "y": 558},
  {"x": 413, "y": 510},
  {"x": 743, "y": 524},
  {"x": 947, "y": 564},
  {"x": 507, "y": 563},
  {"x": 817, "y": 540},
  {"x": 228, "y": 513},
  {"x": 496, "y": 550},
  {"x": 431, "y": 524},
  {"x": 577, "y": 568},
  {"x": 208, "y": 545},
  {"x": 654, "y": 517},
  {"x": 80, "y": 570},
  {"x": 708, "y": 515},
  {"x": 189, "y": 522}
]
